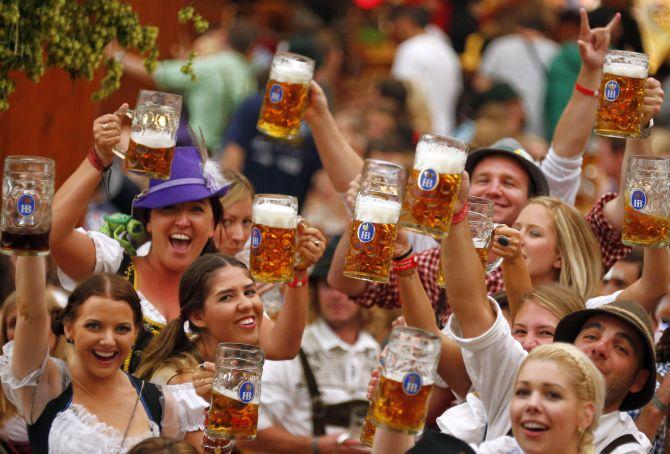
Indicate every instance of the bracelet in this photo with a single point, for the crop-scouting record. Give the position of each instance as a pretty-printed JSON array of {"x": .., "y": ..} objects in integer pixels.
[
  {"x": 404, "y": 255},
  {"x": 461, "y": 214},
  {"x": 296, "y": 283},
  {"x": 406, "y": 264},
  {"x": 96, "y": 162},
  {"x": 586, "y": 91},
  {"x": 656, "y": 402}
]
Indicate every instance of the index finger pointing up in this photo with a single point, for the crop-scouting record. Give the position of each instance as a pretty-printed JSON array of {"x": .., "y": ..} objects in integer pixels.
[{"x": 584, "y": 26}]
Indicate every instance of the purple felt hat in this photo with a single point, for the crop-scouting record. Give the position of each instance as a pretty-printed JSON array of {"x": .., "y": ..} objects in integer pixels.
[{"x": 190, "y": 180}]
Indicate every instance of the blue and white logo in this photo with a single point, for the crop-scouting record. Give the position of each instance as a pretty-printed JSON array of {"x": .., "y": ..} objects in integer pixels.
[
  {"x": 246, "y": 392},
  {"x": 612, "y": 90},
  {"x": 638, "y": 199},
  {"x": 366, "y": 232},
  {"x": 411, "y": 384},
  {"x": 25, "y": 205},
  {"x": 428, "y": 179},
  {"x": 255, "y": 237},
  {"x": 276, "y": 93}
]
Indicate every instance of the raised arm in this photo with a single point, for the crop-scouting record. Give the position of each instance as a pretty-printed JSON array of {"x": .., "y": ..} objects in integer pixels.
[
  {"x": 515, "y": 272},
  {"x": 281, "y": 340},
  {"x": 464, "y": 276},
  {"x": 73, "y": 251},
  {"x": 574, "y": 126},
  {"x": 653, "y": 283},
  {"x": 340, "y": 161}
]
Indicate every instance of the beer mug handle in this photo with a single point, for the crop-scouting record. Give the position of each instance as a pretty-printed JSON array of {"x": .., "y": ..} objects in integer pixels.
[
  {"x": 490, "y": 267},
  {"x": 116, "y": 150}
]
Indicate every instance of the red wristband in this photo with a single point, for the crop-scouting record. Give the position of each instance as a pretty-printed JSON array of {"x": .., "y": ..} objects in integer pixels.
[
  {"x": 405, "y": 264},
  {"x": 586, "y": 91},
  {"x": 95, "y": 161},
  {"x": 461, "y": 214},
  {"x": 297, "y": 283}
]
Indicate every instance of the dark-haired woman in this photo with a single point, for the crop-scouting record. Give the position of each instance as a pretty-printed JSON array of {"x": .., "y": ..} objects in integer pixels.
[
  {"x": 180, "y": 215},
  {"x": 89, "y": 405},
  {"x": 219, "y": 301}
]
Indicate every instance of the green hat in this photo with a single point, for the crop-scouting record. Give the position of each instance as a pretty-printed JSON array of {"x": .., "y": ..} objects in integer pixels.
[{"x": 634, "y": 315}]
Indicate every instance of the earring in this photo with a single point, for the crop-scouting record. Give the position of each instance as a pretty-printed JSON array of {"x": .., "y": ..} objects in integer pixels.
[{"x": 69, "y": 340}]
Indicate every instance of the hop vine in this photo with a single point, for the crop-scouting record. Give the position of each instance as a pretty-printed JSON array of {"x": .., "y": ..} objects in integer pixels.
[
  {"x": 72, "y": 35},
  {"x": 188, "y": 14}
]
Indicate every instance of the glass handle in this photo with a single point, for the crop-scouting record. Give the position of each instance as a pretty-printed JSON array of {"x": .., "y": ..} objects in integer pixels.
[{"x": 117, "y": 151}]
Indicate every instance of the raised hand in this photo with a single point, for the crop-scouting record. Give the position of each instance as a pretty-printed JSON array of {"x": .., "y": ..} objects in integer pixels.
[
  {"x": 594, "y": 43},
  {"x": 653, "y": 100},
  {"x": 107, "y": 133},
  {"x": 507, "y": 243}
]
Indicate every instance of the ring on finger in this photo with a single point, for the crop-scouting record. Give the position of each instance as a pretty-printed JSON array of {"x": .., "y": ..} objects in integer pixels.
[
  {"x": 503, "y": 240},
  {"x": 105, "y": 126},
  {"x": 317, "y": 243}
]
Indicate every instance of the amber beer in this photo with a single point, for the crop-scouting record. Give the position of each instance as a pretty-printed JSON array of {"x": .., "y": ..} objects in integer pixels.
[
  {"x": 372, "y": 234},
  {"x": 402, "y": 402},
  {"x": 273, "y": 237},
  {"x": 286, "y": 96},
  {"x": 150, "y": 154},
  {"x": 369, "y": 429},
  {"x": 27, "y": 192},
  {"x": 231, "y": 417},
  {"x": 433, "y": 185},
  {"x": 647, "y": 209},
  {"x": 620, "y": 106}
]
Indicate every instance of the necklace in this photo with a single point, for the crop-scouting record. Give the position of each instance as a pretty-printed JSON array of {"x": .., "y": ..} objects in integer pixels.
[{"x": 130, "y": 421}]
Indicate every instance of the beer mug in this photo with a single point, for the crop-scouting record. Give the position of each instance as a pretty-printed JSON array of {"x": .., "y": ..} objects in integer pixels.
[
  {"x": 433, "y": 185},
  {"x": 646, "y": 220},
  {"x": 383, "y": 176},
  {"x": 406, "y": 380},
  {"x": 273, "y": 237},
  {"x": 236, "y": 392},
  {"x": 620, "y": 106},
  {"x": 27, "y": 192},
  {"x": 357, "y": 420},
  {"x": 286, "y": 95},
  {"x": 153, "y": 134}
]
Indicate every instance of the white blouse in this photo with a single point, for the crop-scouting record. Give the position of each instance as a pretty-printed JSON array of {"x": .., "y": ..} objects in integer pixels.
[{"x": 75, "y": 429}]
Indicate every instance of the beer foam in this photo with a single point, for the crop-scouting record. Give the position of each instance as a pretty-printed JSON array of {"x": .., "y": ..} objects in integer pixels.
[
  {"x": 291, "y": 72},
  {"x": 626, "y": 70},
  {"x": 441, "y": 158},
  {"x": 277, "y": 216},
  {"x": 232, "y": 394},
  {"x": 377, "y": 210},
  {"x": 152, "y": 139}
]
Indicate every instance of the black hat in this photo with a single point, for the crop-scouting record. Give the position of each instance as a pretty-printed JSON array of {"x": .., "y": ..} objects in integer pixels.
[
  {"x": 510, "y": 148},
  {"x": 634, "y": 315}
]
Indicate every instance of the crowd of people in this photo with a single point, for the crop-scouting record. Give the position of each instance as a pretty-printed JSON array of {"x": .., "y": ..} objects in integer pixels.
[{"x": 110, "y": 343}]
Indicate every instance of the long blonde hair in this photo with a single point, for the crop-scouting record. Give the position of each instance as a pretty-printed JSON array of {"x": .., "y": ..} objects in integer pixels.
[
  {"x": 581, "y": 261},
  {"x": 556, "y": 298},
  {"x": 240, "y": 189},
  {"x": 586, "y": 380}
]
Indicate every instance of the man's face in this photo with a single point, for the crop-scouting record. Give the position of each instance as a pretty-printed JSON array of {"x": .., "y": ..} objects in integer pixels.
[
  {"x": 619, "y": 277},
  {"x": 616, "y": 349},
  {"x": 504, "y": 182}
]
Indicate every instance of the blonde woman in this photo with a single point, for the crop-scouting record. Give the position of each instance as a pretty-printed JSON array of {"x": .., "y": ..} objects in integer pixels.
[{"x": 231, "y": 235}]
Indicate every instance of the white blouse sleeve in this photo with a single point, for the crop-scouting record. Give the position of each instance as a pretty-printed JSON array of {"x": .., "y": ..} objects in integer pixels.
[
  {"x": 31, "y": 393},
  {"x": 108, "y": 257},
  {"x": 183, "y": 411}
]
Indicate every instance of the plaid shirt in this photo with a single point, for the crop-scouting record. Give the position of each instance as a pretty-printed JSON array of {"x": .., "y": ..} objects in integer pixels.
[{"x": 387, "y": 296}]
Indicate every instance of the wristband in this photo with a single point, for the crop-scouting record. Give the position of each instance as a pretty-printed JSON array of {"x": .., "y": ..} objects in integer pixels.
[
  {"x": 296, "y": 283},
  {"x": 406, "y": 264},
  {"x": 404, "y": 255},
  {"x": 461, "y": 214},
  {"x": 95, "y": 161},
  {"x": 586, "y": 91},
  {"x": 656, "y": 402}
]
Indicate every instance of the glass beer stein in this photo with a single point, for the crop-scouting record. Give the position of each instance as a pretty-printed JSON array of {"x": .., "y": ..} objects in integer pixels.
[
  {"x": 646, "y": 219},
  {"x": 286, "y": 95},
  {"x": 27, "y": 192},
  {"x": 406, "y": 380},
  {"x": 273, "y": 237},
  {"x": 153, "y": 134},
  {"x": 384, "y": 177},
  {"x": 433, "y": 185},
  {"x": 622, "y": 94},
  {"x": 236, "y": 392}
]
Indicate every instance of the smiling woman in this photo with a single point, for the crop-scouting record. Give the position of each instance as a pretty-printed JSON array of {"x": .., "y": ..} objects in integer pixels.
[{"x": 89, "y": 405}]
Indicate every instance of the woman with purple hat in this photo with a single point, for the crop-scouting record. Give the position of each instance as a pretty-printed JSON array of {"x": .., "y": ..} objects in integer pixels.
[{"x": 180, "y": 215}]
